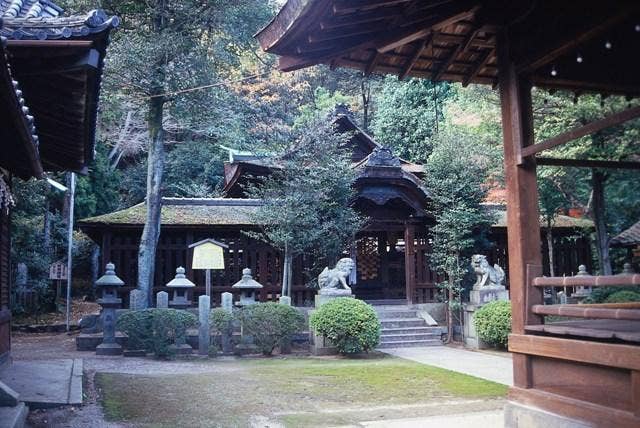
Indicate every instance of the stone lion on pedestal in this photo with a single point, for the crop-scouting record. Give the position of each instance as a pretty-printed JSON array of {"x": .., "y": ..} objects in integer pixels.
[
  {"x": 486, "y": 275},
  {"x": 335, "y": 280}
]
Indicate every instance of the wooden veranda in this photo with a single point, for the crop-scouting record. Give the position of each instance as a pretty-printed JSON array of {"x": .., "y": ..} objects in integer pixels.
[{"x": 588, "y": 372}]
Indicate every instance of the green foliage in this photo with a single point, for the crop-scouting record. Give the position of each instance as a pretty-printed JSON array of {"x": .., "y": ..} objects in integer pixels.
[
  {"x": 154, "y": 330},
  {"x": 407, "y": 116},
  {"x": 456, "y": 173},
  {"x": 623, "y": 296},
  {"x": 493, "y": 322},
  {"x": 220, "y": 320},
  {"x": 271, "y": 324},
  {"x": 351, "y": 324},
  {"x": 602, "y": 294}
]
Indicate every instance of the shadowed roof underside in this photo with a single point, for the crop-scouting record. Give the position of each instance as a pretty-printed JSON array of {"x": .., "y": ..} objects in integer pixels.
[{"x": 456, "y": 40}]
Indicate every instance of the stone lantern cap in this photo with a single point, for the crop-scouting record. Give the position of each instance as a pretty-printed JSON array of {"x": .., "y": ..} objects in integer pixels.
[
  {"x": 247, "y": 281},
  {"x": 109, "y": 279},
  {"x": 180, "y": 281}
]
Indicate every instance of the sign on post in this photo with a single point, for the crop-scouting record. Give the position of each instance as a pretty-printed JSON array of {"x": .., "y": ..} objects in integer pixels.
[
  {"x": 208, "y": 254},
  {"x": 58, "y": 271}
]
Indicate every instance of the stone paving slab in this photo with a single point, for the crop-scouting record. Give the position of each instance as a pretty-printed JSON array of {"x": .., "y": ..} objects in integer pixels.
[
  {"x": 13, "y": 417},
  {"x": 493, "y": 419},
  {"x": 489, "y": 366},
  {"x": 46, "y": 383}
]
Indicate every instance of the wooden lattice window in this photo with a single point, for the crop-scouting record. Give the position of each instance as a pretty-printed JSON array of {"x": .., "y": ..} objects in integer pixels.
[{"x": 368, "y": 258}]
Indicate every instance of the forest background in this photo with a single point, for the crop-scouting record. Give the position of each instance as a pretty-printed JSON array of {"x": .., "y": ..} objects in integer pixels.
[{"x": 196, "y": 67}]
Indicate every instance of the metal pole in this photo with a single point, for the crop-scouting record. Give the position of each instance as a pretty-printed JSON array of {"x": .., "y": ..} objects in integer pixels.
[{"x": 72, "y": 188}]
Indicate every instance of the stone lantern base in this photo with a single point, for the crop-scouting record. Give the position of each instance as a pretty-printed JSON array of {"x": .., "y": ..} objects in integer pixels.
[{"x": 109, "y": 349}]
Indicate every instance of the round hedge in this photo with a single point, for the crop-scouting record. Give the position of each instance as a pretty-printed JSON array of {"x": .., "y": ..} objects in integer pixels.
[
  {"x": 271, "y": 324},
  {"x": 493, "y": 322},
  {"x": 352, "y": 325},
  {"x": 623, "y": 296}
]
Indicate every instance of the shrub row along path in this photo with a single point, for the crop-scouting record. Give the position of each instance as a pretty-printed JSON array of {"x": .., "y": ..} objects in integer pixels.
[{"x": 293, "y": 391}]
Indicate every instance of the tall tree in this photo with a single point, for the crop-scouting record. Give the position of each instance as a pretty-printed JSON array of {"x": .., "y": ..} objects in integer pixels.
[
  {"x": 306, "y": 200},
  {"x": 455, "y": 176},
  {"x": 164, "y": 52}
]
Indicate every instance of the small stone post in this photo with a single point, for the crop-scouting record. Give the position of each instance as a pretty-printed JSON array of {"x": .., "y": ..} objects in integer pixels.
[
  {"x": 227, "y": 305},
  {"x": 162, "y": 300},
  {"x": 204, "y": 331},
  {"x": 227, "y": 302},
  {"x": 134, "y": 299},
  {"x": 285, "y": 300}
]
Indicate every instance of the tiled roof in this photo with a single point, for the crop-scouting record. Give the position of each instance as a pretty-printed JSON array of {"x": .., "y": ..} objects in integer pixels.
[
  {"x": 629, "y": 237},
  {"x": 28, "y": 9}
]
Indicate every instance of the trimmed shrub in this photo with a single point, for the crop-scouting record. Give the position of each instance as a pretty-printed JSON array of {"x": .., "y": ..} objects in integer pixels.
[
  {"x": 493, "y": 323},
  {"x": 154, "y": 330},
  {"x": 601, "y": 294},
  {"x": 623, "y": 296},
  {"x": 351, "y": 324},
  {"x": 220, "y": 320},
  {"x": 271, "y": 324}
]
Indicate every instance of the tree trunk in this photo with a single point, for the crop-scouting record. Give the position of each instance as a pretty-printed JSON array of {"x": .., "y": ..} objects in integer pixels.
[
  {"x": 599, "y": 218},
  {"x": 151, "y": 231},
  {"x": 449, "y": 312},
  {"x": 286, "y": 274},
  {"x": 46, "y": 232},
  {"x": 549, "y": 233}
]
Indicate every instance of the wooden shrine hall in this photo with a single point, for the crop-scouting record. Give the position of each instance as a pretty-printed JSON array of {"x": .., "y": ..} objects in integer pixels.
[
  {"x": 50, "y": 73},
  {"x": 584, "y": 372},
  {"x": 391, "y": 251}
]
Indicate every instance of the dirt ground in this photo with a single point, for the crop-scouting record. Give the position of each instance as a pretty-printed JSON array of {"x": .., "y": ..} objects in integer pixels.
[{"x": 253, "y": 392}]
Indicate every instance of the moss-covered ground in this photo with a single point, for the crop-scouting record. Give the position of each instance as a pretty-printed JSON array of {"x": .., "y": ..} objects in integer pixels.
[{"x": 295, "y": 392}]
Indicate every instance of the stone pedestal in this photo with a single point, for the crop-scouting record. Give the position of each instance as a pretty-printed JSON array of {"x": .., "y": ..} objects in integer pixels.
[
  {"x": 478, "y": 298},
  {"x": 326, "y": 296},
  {"x": 204, "y": 332},
  {"x": 162, "y": 300}
]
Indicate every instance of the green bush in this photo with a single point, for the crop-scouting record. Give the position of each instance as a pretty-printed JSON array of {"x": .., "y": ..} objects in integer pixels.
[
  {"x": 220, "y": 320},
  {"x": 271, "y": 324},
  {"x": 154, "y": 330},
  {"x": 352, "y": 325},
  {"x": 623, "y": 296},
  {"x": 601, "y": 294},
  {"x": 493, "y": 322}
]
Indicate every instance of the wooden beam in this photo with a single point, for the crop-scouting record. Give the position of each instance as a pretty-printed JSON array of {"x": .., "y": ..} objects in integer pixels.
[
  {"x": 605, "y": 354},
  {"x": 460, "y": 48},
  {"x": 482, "y": 62},
  {"x": 523, "y": 225},
  {"x": 372, "y": 63},
  {"x": 588, "y": 312},
  {"x": 570, "y": 42},
  {"x": 349, "y": 6},
  {"x": 50, "y": 43},
  {"x": 416, "y": 54},
  {"x": 409, "y": 261},
  {"x": 422, "y": 30},
  {"x": 586, "y": 163},
  {"x": 612, "y": 120}
]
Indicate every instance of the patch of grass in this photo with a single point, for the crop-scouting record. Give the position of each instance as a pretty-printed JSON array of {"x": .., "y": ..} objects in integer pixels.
[{"x": 241, "y": 390}]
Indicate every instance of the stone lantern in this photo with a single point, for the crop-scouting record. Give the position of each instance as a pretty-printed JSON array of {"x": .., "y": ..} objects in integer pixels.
[
  {"x": 180, "y": 285},
  {"x": 109, "y": 283},
  {"x": 248, "y": 288}
]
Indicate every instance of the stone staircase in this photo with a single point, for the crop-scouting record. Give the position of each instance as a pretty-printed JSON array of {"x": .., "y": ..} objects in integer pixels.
[{"x": 403, "y": 328}]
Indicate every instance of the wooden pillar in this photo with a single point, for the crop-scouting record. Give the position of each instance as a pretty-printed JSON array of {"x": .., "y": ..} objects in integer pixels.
[
  {"x": 409, "y": 261},
  {"x": 523, "y": 226}
]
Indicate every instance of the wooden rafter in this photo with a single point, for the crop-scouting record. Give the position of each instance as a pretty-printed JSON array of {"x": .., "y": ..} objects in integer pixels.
[
  {"x": 416, "y": 54},
  {"x": 590, "y": 128},
  {"x": 422, "y": 30},
  {"x": 479, "y": 65},
  {"x": 460, "y": 48},
  {"x": 588, "y": 163},
  {"x": 372, "y": 63},
  {"x": 343, "y": 7}
]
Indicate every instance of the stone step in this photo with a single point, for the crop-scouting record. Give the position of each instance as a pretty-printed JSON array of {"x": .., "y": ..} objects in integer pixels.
[
  {"x": 402, "y": 322},
  {"x": 383, "y": 302},
  {"x": 409, "y": 343},
  {"x": 411, "y": 330},
  {"x": 386, "y": 314},
  {"x": 406, "y": 337}
]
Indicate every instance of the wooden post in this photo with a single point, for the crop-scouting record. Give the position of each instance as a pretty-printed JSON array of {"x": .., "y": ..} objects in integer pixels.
[
  {"x": 409, "y": 261},
  {"x": 523, "y": 225}
]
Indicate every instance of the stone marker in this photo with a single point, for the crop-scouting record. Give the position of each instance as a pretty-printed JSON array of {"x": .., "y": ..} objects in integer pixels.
[
  {"x": 162, "y": 300},
  {"x": 135, "y": 299},
  {"x": 285, "y": 300},
  {"x": 227, "y": 302},
  {"x": 204, "y": 332}
]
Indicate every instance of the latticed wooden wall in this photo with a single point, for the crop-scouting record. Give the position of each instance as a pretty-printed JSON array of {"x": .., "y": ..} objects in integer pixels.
[{"x": 368, "y": 258}]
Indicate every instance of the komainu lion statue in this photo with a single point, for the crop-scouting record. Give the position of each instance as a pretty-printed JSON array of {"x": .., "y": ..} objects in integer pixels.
[
  {"x": 336, "y": 278},
  {"x": 486, "y": 276}
]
